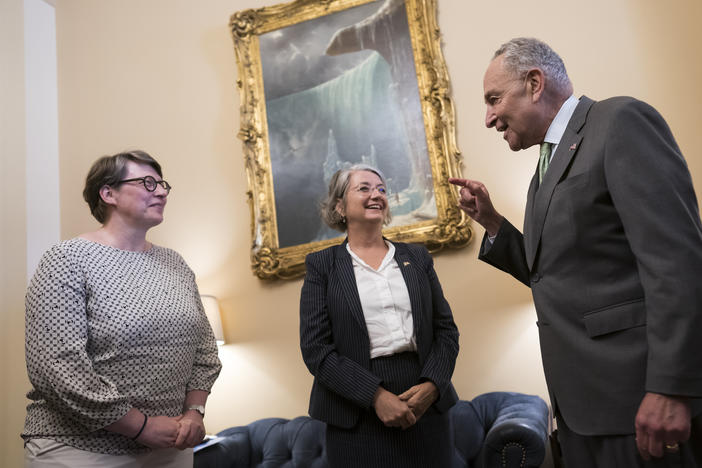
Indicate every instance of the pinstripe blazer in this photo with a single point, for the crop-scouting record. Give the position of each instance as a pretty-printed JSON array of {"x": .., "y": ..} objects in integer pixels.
[{"x": 334, "y": 338}]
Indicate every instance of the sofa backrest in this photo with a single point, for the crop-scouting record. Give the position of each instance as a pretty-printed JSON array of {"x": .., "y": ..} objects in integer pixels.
[{"x": 492, "y": 428}]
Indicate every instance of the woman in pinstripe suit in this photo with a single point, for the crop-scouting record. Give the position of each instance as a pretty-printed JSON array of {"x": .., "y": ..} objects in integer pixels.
[{"x": 378, "y": 336}]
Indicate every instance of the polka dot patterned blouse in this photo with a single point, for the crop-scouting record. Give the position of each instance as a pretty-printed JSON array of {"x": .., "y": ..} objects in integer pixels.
[{"x": 108, "y": 330}]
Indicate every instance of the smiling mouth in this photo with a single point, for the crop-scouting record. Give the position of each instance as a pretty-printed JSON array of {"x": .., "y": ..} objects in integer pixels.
[{"x": 374, "y": 206}]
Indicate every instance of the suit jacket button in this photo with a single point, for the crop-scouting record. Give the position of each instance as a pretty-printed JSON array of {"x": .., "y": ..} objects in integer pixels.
[{"x": 535, "y": 277}]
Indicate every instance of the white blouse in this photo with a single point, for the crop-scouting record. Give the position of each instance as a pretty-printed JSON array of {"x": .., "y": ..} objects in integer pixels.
[{"x": 386, "y": 305}]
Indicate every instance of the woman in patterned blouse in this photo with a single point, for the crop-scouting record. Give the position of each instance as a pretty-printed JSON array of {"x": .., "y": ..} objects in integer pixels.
[{"x": 119, "y": 351}]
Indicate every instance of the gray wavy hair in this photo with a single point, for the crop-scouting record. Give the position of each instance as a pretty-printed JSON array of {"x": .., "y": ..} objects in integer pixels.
[
  {"x": 524, "y": 53},
  {"x": 338, "y": 185}
]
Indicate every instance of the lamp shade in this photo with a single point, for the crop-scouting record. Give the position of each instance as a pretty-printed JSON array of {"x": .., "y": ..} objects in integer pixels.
[{"x": 213, "y": 315}]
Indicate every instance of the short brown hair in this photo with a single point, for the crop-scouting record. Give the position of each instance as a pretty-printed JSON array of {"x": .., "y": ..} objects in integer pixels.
[
  {"x": 338, "y": 185},
  {"x": 109, "y": 170}
]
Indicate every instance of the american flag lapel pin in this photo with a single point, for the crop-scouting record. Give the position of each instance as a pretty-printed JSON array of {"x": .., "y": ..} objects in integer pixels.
[{"x": 573, "y": 146}]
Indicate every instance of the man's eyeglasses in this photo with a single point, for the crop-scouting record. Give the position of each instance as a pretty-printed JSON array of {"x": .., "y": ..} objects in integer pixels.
[{"x": 150, "y": 183}]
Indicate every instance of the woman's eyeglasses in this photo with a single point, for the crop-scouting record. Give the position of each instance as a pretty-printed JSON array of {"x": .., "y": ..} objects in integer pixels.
[{"x": 150, "y": 183}]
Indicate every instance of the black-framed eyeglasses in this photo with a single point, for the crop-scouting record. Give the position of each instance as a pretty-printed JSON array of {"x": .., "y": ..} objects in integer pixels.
[{"x": 150, "y": 183}]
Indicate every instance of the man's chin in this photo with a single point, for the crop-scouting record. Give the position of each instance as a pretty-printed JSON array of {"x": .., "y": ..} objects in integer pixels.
[
  {"x": 514, "y": 146},
  {"x": 518, "y": 145}
]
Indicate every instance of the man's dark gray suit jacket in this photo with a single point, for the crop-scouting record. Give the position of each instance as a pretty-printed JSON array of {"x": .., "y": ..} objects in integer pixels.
[
  {"x": 334, "y": 338},
  {"x": 612, "y": 251}
]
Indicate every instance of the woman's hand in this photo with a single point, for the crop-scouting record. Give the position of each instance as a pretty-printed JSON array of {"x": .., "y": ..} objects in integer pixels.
[
  {"x": 420, "y": 397},
  {"x": 160, "y": 432},
  {"x": 192, "y": 430},
  {"x": 157, "y": 431},
  {"x": 392, "y": 411}
]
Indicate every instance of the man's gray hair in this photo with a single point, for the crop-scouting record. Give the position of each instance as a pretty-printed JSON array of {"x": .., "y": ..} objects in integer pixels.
[
  {"x": 521, "y": 54},
  {"x": 338, "y": 185}
]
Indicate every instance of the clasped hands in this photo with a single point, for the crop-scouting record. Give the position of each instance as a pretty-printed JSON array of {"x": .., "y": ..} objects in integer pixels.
[
  {"x": 404, "y": 410},
  {"x": 181, "y": 432}
]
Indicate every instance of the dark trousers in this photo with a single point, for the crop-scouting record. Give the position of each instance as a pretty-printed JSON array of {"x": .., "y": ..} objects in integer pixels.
[
  {"x": 370, "y": 444},
  {"x": 620, "y": 451}
]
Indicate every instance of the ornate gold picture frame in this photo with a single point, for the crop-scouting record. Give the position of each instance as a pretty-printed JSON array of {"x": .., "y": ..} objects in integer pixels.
[{"x": 328, "y": 83}]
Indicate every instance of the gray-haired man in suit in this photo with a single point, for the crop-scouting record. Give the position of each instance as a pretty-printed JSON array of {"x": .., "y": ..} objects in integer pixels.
[{"x": 612, "y": 251}]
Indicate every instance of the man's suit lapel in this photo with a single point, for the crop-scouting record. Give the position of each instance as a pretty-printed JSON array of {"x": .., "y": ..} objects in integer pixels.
[
  {"x": 539, "y": 196},
  {"x": 409, "y": 273},
  {"x": 347, "y": 282}
]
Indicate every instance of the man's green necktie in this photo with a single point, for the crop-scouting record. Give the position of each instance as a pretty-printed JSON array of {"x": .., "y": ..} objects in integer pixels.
[{"x": 544, "y": 157}]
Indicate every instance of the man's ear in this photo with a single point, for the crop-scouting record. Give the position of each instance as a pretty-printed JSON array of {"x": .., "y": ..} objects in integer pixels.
[
  {"x": 107, "y": 195},
  {"x": 536, "y": 82}
]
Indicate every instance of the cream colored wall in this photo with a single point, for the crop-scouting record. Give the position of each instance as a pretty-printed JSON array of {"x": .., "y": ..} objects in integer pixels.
[
  {"x": 13, "y": 384},
  {"x": 159, "y": 75}
]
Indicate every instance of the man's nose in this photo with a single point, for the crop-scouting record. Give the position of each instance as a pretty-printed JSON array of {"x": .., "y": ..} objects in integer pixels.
[{"x": 490, "y": 117}]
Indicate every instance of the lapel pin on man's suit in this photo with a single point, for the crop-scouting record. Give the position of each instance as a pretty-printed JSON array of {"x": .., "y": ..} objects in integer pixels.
[
  {"x": 405, "y": 263},
  {"x": 573, "y": 146}
]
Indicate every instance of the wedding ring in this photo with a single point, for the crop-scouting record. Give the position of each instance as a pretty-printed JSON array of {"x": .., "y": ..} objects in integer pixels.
[{"x": 672, "y": 447}]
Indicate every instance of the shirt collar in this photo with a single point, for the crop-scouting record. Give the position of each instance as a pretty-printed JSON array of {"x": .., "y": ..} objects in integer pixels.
[
  {"x": 560, "y": 122},
  {"x": 389, "y": 256}
]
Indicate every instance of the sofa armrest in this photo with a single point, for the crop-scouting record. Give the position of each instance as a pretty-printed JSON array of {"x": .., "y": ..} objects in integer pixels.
[
  {"x": 517, "y": 429},
  {"x": 231, "y": 448},
  {"x": 267, "y": 442}
]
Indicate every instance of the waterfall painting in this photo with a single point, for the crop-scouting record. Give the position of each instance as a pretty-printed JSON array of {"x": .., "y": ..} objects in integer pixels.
[
  {"x": 327, "y": 84},
  {"x": 340, "y": 90}
]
